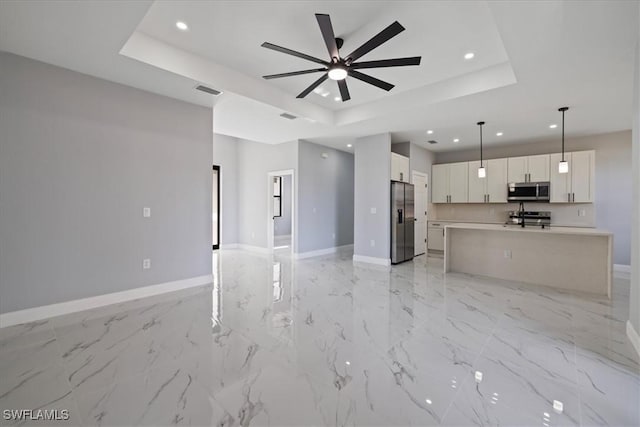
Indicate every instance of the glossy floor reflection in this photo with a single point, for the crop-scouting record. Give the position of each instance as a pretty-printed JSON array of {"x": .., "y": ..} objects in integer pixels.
[{"x": 323, "y": 342}]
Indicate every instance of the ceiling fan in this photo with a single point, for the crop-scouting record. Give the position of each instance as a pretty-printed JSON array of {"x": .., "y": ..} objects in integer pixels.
[{"x": 339, "y": 67}]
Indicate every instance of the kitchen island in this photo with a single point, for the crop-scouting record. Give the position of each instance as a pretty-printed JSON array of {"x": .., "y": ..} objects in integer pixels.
[{"x": 570, "y": 258}]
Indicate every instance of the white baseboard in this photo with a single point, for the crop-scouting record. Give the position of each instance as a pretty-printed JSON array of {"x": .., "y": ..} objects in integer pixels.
[
  {"x": 622, "y": 268},
  {"x": 320, "y": 252},
  {"x": 633, "y": 337},
  {"x": 46, "y": 311},
  {"x": 372, "y": 260},
  {"x": 251, "y": 248}
]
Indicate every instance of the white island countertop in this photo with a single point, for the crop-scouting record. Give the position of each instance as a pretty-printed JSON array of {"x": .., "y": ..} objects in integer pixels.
[{"x": 530, "y": 229}]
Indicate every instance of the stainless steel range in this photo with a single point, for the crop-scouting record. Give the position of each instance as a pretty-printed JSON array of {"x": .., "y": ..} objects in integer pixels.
[{"x": 530, "y": 218}]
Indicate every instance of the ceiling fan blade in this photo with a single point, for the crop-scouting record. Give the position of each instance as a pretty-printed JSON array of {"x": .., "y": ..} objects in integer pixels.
[
  {"x": 313, "y": 86},
  {"x": 380, "y": 38},
  {"x": 293, "y": 73},
  {"x": 293, "y": 52},
  {"x": 344, "y": 90},
  {"x": 397, "y": 62},
  {"x": 324, "y": 21},
  {"x": 371, "y": 80}
]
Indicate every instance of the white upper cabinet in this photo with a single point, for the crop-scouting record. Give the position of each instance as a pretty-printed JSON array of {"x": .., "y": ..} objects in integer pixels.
[
  {"x": 576, "y": 186},
  {"x": 538, "y": 168},
  {"x": 458, "y": 183},
  {"x": 440, "y": 184},
  {"x": 492, "y": 188},
  {"x": 528, "y": 168},
  {"x": 477, "y": 186},
  {"x": 518, "y": 169},
  {"x": 450, "y": 183},
  {"x": 497, "y": 180},
  {"x": 399, "y": 168}
]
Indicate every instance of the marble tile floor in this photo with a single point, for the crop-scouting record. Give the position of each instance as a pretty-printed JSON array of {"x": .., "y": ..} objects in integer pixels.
[{"x": 321, "y": 341}]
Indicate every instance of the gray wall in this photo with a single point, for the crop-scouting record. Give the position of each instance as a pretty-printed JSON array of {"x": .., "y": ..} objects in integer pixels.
[
  {"x": 372, "y": 190},
  {"x": 255, "y": 161},
  {"x": 325, "y": 197},
  {"x": 79, "y": 159},
  {"x": 634, "y": 311},
  {"x": 225, "y": 155},
  {"x": 402, "y": 148},
  {"x": 282, "y": 224},
  {"x": 613, "y": 179}
]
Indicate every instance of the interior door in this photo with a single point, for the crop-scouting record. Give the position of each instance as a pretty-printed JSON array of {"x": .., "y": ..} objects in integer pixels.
[
  {"x": 420, "y": 187},
  {"x": 215, "y": 208}
]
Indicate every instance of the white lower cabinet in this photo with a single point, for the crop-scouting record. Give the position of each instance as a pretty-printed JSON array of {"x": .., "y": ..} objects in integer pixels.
[{"x": 435, "y": 236}]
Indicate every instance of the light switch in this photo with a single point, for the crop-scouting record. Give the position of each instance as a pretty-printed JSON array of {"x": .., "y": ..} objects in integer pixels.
[
  {"x": 146, "y": 212},
  {"x": 146, "y": 264},
  {"x": 374, "y": 210}
]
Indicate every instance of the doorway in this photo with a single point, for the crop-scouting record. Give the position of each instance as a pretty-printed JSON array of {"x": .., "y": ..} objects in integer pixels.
[
  {"x": 215, "y": 208},
  {"x": 420, "y": 185},
  {"x": 281, "y": 210}
]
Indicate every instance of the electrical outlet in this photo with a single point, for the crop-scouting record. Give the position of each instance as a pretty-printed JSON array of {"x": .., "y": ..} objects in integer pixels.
[
  {"x": 146, "y": 212},
  {"x": 314, "y": 210},
  {"x": 372, "y": 242},
  {"x": 582, "y": 212},
  {"x": 507, "y": 253},
  {"x": 333, "y": 235},
  {"x": 374, "y": 210},
  {"x": 146, "y": 264}
]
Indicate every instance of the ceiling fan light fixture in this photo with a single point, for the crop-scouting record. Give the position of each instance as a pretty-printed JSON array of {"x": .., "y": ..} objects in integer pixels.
[{"x": 337, "y": 72}]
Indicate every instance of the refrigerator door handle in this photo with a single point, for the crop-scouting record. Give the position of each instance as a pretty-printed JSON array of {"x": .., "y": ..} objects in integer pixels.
[{"x": 400, "y": 216}]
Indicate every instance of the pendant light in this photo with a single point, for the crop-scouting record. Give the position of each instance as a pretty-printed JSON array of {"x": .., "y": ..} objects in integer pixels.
[
  {"x": 563, "y": 166},
  {"x": 482, "y": 172}
]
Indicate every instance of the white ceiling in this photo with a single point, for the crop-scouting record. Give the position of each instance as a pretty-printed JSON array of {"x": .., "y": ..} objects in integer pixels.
[{"x": 531, "y": 58}]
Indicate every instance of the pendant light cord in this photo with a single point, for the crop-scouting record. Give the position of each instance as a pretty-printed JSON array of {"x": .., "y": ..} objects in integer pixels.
[{"x": 563, "y": 109}]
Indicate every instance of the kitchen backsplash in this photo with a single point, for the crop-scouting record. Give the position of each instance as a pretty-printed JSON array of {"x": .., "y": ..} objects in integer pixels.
[{"x": 570, "y": 215}]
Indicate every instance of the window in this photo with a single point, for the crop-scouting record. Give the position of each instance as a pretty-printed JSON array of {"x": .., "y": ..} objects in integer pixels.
[{"x": 277, "y": 196}]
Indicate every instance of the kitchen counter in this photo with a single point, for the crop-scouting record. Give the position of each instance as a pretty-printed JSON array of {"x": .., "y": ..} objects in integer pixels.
[{"x": 571, "y": 258}]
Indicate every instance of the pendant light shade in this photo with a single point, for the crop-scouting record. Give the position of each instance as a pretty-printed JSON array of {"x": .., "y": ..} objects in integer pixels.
[
  {"x": 482, "y": 172},
  {"x": 563, "y": 166}
]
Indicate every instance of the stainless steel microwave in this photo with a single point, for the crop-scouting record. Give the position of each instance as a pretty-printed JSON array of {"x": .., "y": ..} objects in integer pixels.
[{"x": 528, "y": 191}]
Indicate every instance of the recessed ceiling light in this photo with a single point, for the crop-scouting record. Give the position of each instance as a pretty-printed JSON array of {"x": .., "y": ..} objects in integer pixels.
[
  {"x": 553, "y": 126},
  {"x": 182, "y": 26},
  {"x": 429, "y": 132},
  {"x": 469, "y": 55},
  {"x": 337, "y": 98},
  {"x": 456, "y": 140},
  {"x": 349, "y": 145},
  {"x": 499, "y": 134}
]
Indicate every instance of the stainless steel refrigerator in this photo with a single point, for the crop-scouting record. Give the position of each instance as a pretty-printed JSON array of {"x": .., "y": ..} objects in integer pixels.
[{"x": 402, "y": 222}]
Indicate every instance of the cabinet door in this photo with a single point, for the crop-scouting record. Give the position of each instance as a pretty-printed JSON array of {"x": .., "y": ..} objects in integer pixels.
[
  {"x": 581, "y": 170},
  {"x": 459, "y": 182},
  {"x": 517, "y": 169},
  {"x": 395, "y": 167},
  {"x": 439, "y": 183},
  {"x": 560, "y": 182},
  {"x": 539, "y": 168},
  {"x": 435, "y": 239},
  {"x": 477, "y": 186},
  {"x": 496, "y": 181},
  {"x": 403, "y": 162}
]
